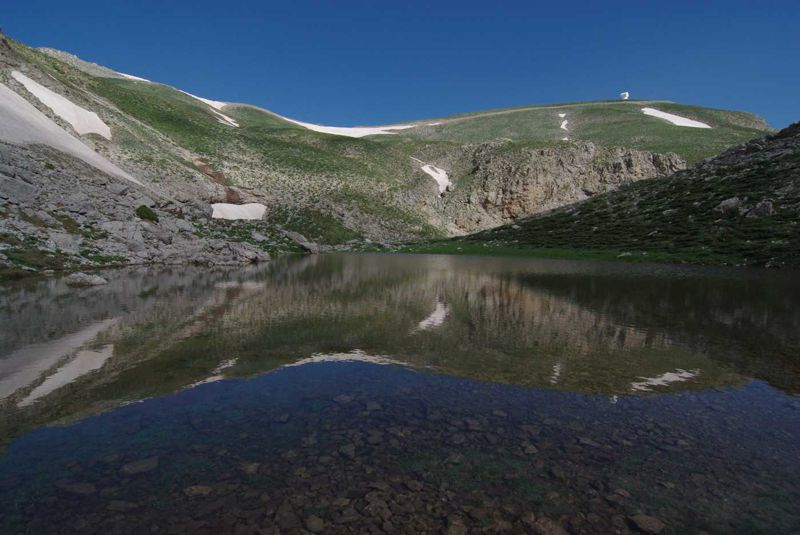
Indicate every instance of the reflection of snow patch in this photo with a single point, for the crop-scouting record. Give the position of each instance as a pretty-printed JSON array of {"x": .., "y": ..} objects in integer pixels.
[
  {"x": 557, "y": 368},
  {"x": 354, "y": 356},
  {"x": 82, "y": 120},
  {"x": 677, "y": 120},
  {"x": 664, "y": 379},
  {"x": 624, "y": 95},
  {"x": 435, "y": 319},
  {"x": 87, "y": 360},
  {"x": 22, "y": 123},
  {"x": 252, "y": 210},
  {"x": 216, "y": 373},
  {"x": 27, "y": 364}
]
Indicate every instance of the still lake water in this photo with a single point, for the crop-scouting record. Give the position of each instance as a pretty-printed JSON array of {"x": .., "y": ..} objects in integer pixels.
[{"x": 403, "y": 394}]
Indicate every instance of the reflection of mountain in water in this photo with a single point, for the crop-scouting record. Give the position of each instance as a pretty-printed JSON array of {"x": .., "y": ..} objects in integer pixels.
[{"x": 575, "y": 326}]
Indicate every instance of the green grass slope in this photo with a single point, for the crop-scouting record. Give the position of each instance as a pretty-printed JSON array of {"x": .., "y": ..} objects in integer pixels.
[
  {"x": 608, "y": 123},
  {"x": 741, "y": 208}
]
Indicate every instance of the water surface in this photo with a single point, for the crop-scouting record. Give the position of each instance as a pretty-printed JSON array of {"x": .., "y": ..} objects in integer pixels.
[{"x": 370, "y": 393}]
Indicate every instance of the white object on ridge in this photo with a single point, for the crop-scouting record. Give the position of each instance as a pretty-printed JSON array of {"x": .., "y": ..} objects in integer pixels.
[
  {"x": 677, "y": 120},
  {"x": 564, "y": 124},
  {"x": 82, "y": 120},
  {"x": 22, "y": 123},
  {"x": 238, "y": 211},
  {"x": 624, "y": 95}
]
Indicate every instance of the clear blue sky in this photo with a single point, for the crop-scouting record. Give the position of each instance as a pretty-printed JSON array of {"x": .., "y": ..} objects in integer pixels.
[{"x": 370, "y": 62}]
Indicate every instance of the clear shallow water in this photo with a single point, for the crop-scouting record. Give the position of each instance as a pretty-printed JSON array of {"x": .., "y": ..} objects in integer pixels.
[{"x": 402, "y": 394}]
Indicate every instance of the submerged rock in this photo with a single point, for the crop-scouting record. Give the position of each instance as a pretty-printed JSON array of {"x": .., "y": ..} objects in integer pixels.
[
  {"x": 140, "y": 467},
  {"x": 647, "y": 524}
]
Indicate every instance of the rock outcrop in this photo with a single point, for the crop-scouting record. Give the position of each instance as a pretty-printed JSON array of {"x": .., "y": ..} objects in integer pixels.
[{"x": 505, "y": 184}]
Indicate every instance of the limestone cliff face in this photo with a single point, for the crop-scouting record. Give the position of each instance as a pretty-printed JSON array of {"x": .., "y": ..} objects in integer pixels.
[{"x": 502, "y": 183}]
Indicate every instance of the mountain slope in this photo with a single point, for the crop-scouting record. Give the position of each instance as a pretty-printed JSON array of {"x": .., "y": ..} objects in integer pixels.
[
  {"x": 742, "y": 207},
  {"x": 337, "y": 186}
]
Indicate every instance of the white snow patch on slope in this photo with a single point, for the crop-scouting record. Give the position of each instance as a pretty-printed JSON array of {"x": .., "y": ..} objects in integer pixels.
[
  {"x": 674, "y": 119},
  {"x": 562, "y": 115},
  {"x": 664, "y": 379},
  {"x": 82, "y": 120},
  {"x": 217, "y": 105},
  {"x": 435, "y": 319},
  {"x": 439, "y": 175},
  {"x": 564, "y": 124},
  {"x": 238, "y": 211},
  {"x": 22, "y": 123},
  {"x": 354, "y": 131},
  {"x": 86, "y": 361},
  {"x": 131, "y": 77}
]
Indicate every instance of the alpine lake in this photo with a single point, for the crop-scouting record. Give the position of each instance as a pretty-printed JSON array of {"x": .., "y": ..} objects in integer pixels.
[{"x": 402, "y": 394}]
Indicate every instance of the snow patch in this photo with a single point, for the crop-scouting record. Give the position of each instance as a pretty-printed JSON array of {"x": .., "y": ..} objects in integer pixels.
[
  {"x": 439, "y": 175},
  {"x": 677, "y": 120},
  {"x": 556, "y": 375},
  {"x": 562, "y": 115},
  {"x": 22, "y": 123},
  {"x": 664, "y": 379},
  {"x": 564, "y": 124},
  {"x": 238, "y": 211},
  {"x": 82, "y": 120},
  {"x": 131, "y": 77},
  {"x": 355, "y": 131},
  {"x": 216, "y": 105}
]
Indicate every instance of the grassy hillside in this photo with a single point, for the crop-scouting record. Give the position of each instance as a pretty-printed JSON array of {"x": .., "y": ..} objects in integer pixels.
[
  {"x": 742, "y": 207},
  {"x": 608, "y": 123},
  {"x": 370, "y": 187}
]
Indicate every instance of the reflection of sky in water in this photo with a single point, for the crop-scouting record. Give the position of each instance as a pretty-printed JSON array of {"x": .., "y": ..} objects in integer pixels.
[{"x": 696, "y": 452}]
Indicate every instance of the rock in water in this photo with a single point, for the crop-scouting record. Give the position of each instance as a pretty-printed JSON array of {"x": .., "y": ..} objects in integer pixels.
[
  {"x": 81, "y": 280},
  {"x": 315, "y": 524},
  {"x": 140, "y": 467},
  {"x": 648, "y": 524}
]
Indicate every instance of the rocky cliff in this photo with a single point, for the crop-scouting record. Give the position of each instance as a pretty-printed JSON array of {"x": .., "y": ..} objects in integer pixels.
[{"x": 505, "y": 183}]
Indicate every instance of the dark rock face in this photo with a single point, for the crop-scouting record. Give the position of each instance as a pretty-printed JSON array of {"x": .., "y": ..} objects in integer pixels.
[{"x": 505, "y": 185}]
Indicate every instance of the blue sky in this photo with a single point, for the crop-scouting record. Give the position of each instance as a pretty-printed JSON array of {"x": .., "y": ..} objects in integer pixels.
[{"x": 370, "y": 62}]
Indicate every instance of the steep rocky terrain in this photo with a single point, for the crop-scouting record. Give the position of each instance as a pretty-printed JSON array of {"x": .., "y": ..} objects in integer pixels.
[
  {"x": 742, "y": 207},
  {"x": 100, "y": 167}
]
